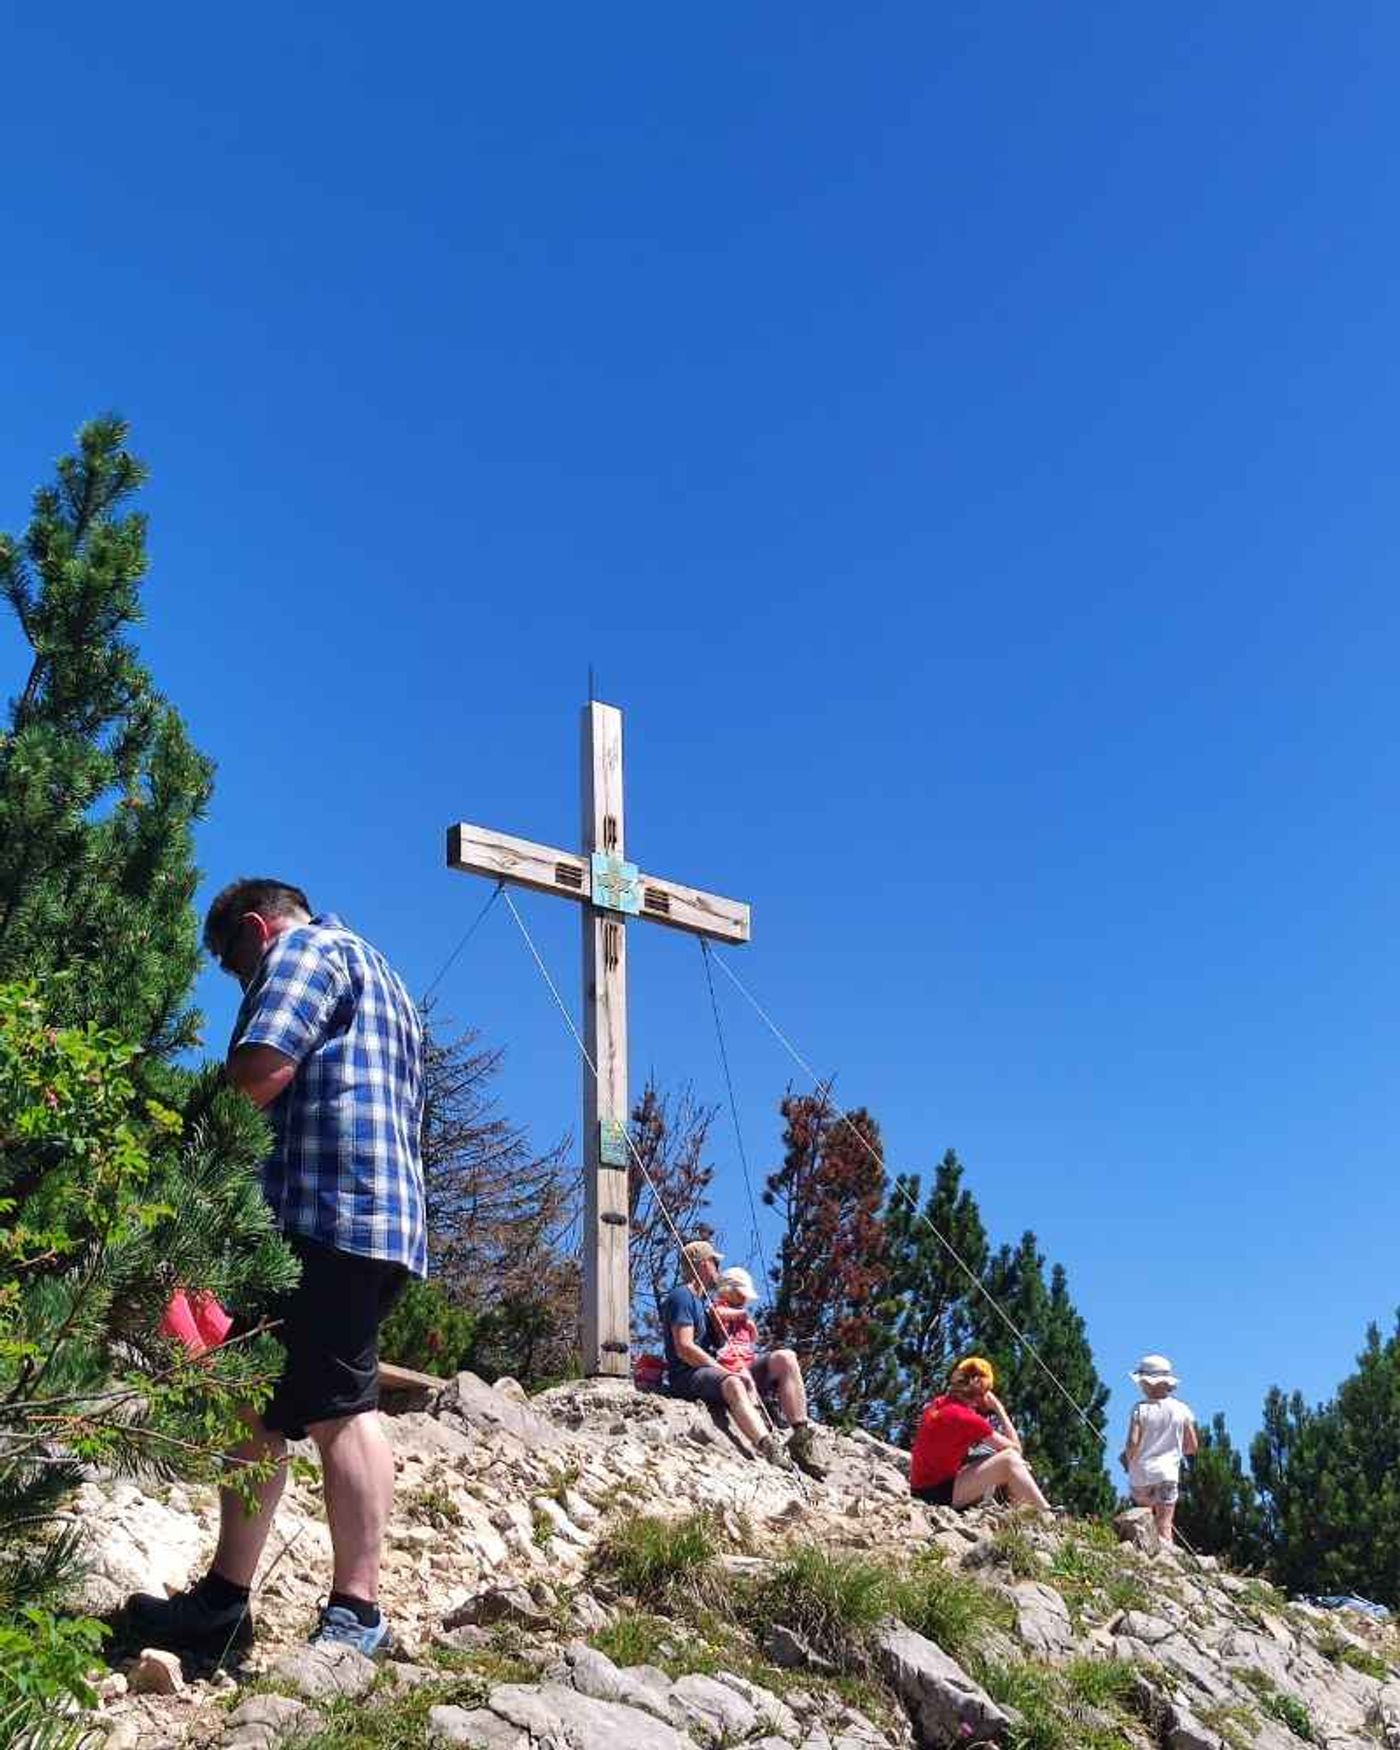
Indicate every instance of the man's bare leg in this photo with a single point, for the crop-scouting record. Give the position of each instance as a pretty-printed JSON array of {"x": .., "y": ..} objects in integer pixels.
[
  {"x": 786, "y": 1375},
  {"x": 243, "y": 1535},
  {"x": 357, "y": 1473}
]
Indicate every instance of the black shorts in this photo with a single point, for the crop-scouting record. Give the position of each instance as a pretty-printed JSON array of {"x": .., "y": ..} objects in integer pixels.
[
  {"x": 703, "y": 1383},
  {"x": 329, "y": 1326},
  {"x": 936, "y": 1494}
]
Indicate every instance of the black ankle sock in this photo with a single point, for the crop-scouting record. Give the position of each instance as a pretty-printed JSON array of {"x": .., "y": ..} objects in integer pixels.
[
  {"x": 221, "y": 1593},
  {"x": 366, "y": 1614}
]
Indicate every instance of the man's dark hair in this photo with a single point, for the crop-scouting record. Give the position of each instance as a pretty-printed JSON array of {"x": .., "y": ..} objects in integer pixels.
[{"x": 259, "y": 893}]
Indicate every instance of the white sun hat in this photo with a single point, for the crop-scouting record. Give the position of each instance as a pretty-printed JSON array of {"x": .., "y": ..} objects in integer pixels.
[
  {"x": 736, "y": 1276},
  {"x": 1154, "y": 1370}
]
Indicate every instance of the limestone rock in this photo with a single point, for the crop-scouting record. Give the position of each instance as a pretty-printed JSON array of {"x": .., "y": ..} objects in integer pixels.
[
  {"x": 1042, "y": 1619},
  {"x": 476, "y": 1727},
  {"x": 787, "y": 1649},
  {"x": 592, "y": 1673},
  {"x": 773, "y": 1712},
  {"x": 263, "y": 1722},
  {"x": 482, "y": 1408},
  {"x": 706, "y": 1699},
  {"x": 1139, "y": 1528},
  {"x": 512, "y": 1604},
  {"x": 156, "y": 1672},
  {"x": 325, "y": 1673},
  {"x": 944, "y": 1703},
  {"x": 564, "y": 1717}
]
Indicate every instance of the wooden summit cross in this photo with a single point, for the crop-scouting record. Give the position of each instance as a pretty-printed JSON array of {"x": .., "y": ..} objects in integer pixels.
[{"x": 611, "y": 890}]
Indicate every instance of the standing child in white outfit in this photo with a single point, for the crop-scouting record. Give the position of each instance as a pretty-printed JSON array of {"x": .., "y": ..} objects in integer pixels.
[{"x": 1161, "y": 1432}]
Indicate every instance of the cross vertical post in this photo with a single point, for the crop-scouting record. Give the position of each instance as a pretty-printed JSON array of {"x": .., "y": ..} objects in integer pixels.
[
  {"x": 609, "y": 891},
  {"x": 606, "y": 1296}
]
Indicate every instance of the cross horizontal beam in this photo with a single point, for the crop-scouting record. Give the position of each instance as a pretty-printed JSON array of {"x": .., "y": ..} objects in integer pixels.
[{"x": 474, "y": 850}]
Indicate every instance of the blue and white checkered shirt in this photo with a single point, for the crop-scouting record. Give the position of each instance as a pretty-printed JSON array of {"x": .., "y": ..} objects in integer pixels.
[{"x": 345, "y": 1168}]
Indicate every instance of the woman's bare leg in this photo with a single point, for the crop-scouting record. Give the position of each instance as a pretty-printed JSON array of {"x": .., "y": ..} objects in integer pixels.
[{"x": 1003, "y": 1470}]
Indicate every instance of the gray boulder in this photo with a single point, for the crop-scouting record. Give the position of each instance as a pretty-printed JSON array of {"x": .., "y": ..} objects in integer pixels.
[
  {"x": 1042, "y": 1619},
  {"x": 265, "y": 1721},
  {"x": 326, "y": 1673},
  {"x": 565, "y": 1717},
  {"x": 1137, "y": 1527},
  {"x": 945, "y": 1705}
]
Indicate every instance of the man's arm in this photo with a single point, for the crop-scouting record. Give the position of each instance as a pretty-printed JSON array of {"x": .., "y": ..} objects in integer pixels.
[
  {"x": 687, "y": 1349},
  {"x": 1190, "y": 1441},
  {"x": 259, "y": 1071}
]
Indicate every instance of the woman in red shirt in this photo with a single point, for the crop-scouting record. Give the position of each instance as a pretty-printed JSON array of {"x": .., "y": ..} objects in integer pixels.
[{"x": 951, "y": 1426}]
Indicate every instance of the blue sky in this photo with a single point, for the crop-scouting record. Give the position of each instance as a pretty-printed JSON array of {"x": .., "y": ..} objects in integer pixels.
[{"x": 962, "y": 441}]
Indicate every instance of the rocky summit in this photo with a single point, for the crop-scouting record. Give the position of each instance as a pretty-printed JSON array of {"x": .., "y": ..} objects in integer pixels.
[{"x": 598, "y": 1569}]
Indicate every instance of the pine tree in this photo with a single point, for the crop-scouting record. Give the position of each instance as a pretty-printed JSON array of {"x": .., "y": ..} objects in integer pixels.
[
  {"x": 1329, "y": 1481},
  {"x": 1060, "y": 1419},
  {"x": 1218, "y": 1513},
  {"x": 928, "y": 1294},
  {"x": 121, "y": 1175},
  {"x": 831, "y": 1272},
  {"x": 99, "y": 785}
]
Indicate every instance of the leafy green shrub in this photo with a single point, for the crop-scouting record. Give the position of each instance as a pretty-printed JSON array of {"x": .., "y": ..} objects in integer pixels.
[
  {"x": 948, "y": 1608},
  {"x": 655, "y": 1559},
  {"x": 44, "y": 1666},
  {"x": 428, "y": 1332}
]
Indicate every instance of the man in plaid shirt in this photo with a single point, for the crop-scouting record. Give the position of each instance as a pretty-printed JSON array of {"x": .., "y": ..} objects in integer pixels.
[{"x": 328, "y": 1042}]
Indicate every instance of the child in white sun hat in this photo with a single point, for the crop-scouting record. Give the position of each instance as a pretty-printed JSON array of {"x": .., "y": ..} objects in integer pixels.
[{"x": 1161, "y": 1432}]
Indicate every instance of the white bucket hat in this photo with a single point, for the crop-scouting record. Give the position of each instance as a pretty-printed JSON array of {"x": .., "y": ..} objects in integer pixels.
[
  {"x": 1154, "y": 1370},
  {"x": 736, "y": 1276}
]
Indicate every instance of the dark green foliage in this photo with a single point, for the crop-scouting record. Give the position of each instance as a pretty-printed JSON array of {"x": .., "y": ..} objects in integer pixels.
[
  {"x": 1329, "y": 1481},
  {"x": 121, "y": 1176},
  {"x": 831, "y": 1271},
  {"x": 99, "y": 785},
  {"x": 428, "y": 1331},
  {"x": 1065, "y": 1448},
  {"x": 44, "y": 1667},
  {"x": 928, "y": 1295},
  {"x": 1219, "y": 1512}
]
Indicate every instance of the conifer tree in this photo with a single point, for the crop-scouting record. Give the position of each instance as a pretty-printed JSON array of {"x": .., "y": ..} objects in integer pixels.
[
  {"x": 1329, "y": 1481},
  {"x": 831, "y": 1271},
  {"x": 122, "y": 1177},
  {"x": 928, "y": 1296},
  {"x": 1218, "y": 1513},
  {"x": 1065, "y": 1447},
  {"x": 99, "y": 785}
]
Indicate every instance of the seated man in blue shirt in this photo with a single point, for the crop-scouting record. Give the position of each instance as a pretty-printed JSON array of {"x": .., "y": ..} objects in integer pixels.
[{"x": 691, "y": 1341}]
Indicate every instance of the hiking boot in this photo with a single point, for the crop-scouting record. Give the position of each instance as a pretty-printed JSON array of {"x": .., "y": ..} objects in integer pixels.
[
  {"x": 339, "y": 1627},
  {"x": 771, "y": 1448},
  {"x": 802, "y": 1450},
  {"x": 188, "y": 1623}
]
